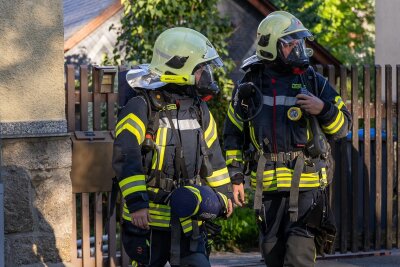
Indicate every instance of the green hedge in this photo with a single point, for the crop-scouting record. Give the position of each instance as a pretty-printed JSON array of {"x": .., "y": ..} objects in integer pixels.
[{"x": 240, "y": 231}]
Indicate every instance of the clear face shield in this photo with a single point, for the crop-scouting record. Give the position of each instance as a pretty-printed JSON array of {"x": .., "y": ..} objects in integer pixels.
[
  {"x": 204, "y": 78},
  {"x": 292, "y": 50}
]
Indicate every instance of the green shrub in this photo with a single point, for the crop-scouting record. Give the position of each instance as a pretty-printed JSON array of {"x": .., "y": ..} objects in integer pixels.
[{"x": 240, "y": 231}]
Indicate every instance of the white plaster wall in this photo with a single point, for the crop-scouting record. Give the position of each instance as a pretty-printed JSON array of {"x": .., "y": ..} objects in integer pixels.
[
  {"x": 31, "y": 61},
  {"x": 387, "y": 38}
]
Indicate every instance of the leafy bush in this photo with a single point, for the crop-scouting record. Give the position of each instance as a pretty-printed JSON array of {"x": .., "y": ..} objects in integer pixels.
[
  {"x": 143, "y": 21},
  {"x": 240, "y": 231}
]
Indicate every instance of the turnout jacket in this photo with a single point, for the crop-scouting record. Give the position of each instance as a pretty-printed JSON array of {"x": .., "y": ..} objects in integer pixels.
[
  {"x": 275, "y": 131},
  {"x": 146, "y": 179}
]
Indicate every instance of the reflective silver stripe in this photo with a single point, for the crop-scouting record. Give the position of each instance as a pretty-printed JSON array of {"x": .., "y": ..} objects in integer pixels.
[
  {"x": 218, "y": 178},
  {"x": 280, "y": 100},
  {"x": 189, "y": 124},
  {"x": 132, "y": 184}
]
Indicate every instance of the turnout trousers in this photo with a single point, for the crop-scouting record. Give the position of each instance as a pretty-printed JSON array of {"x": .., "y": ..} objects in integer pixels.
[
  {"x": 160, "y": 245},
  {"x": 285, "y": 243}
]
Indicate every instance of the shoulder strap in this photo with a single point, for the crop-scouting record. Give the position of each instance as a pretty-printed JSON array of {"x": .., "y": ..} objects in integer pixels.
[{"x": 309, "y": 77}]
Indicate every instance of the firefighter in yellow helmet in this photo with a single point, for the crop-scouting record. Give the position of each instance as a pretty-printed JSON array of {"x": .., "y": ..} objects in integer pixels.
[
  {"x": 276, "y": 131},
  {"x": 167, "y": 157}
]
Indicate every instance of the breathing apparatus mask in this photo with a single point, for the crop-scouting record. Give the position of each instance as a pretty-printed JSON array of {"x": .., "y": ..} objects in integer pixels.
[
  {"x": 204, "y": 80},
  {"x": 292, "y": 50}
]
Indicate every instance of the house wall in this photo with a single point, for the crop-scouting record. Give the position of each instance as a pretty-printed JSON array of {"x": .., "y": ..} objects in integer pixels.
[
  {"x": 245, "y": 20},
  {"x": 102, "y": 41},
  {"x": 34, "y": 145},
  {"x": 387, "y": 39}
]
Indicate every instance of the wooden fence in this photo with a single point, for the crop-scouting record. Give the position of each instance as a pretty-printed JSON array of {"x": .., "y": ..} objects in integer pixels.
[{"x": 364, "y": 193}]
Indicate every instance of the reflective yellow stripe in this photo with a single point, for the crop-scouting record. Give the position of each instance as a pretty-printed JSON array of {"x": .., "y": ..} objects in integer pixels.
[
  {"x": 199, "y": 198},
  {"x": 233, "y": 155},
  {"x": 219, "y": 177},
  {"x": 339, "y": 102},
  {"x": 210, "y": 135},
  {"x": 336, "y": 125},
  {"x": 160, "y": 215},
  {"x": 224, "y": 198},
  {"x": 232, "y": 118},
  {"x": 186, "y": 225},
  {"x": 132, "y": 184},
  {"x": 133, "y": 124},
  {"x": 323, "y": 177},
  {"x": 161, "y": 140},
  {"x": 237, "y": 153},
  {"x": 282, "y": 178},
  {"x": 253, "y": 136},
  {"x": 153, "y": 189}
]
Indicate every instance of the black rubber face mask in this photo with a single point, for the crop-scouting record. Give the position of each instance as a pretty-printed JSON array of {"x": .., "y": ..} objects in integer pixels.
[
  {"x": 205, "y": 84},
  {"x": 299, "y": 55}
]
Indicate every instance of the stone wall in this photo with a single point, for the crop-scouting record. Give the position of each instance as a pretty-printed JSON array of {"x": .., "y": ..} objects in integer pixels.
[
  {"x": 35, "y": 149},
  {"x": 37, "y": 201}
]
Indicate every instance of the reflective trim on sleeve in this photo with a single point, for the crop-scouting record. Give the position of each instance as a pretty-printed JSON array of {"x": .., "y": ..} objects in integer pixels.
[
  {"x": 339, "y": 102},
  {"x": 210, "y": 135},
  {"x": 160, "y": 215},
  {"x": 335, "y": 125},
  {"x": 232, "y": 118},
  {"x": 133, "y": 124},
  {"x": 219, "y": 177},
  {"x": 133, "y": 184}
]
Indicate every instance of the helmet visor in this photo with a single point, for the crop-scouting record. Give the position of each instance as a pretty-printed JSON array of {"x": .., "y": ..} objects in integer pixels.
[
  {"x": 204, "y": 78},
  {"x": 297, "y": 35},
  {"x": 294, "y": 52}
]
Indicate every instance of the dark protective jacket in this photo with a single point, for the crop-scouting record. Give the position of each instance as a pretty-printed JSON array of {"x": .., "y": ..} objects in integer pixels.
[
  {"x": 273, "y": 132},
  {"x": 146, "y": 179}
]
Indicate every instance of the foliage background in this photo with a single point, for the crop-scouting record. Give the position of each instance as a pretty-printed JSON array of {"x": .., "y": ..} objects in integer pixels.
[
  {"x": 345, "y": 28},
  {"x": 144, "y": 20}
]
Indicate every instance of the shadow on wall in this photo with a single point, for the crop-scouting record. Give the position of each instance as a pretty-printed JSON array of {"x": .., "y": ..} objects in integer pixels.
[
  {"x": 26, "y": 40},
  {"x": 29, "y": 237}
]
